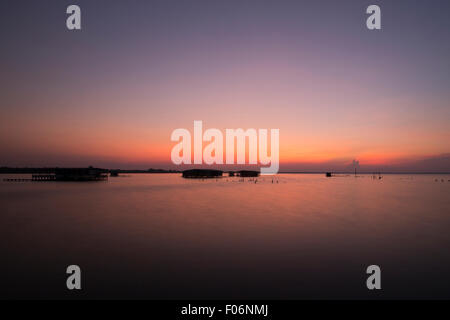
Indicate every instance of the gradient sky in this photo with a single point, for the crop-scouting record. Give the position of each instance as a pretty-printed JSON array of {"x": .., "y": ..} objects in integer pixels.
[{"x": 111, "y": 94}]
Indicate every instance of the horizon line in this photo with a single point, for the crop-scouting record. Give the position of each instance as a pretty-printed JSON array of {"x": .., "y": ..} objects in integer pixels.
[{"x": 178, "y": 170}]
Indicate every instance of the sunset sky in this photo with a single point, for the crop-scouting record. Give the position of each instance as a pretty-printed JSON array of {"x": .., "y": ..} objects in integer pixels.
[{"x": 111, "y": 94}]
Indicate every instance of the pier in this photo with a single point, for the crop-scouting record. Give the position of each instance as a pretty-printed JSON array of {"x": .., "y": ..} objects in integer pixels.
[
  {"x": 66, "y": 174},
  {"x": 34, "y": 177},
  {"x": 43, "y": 177},
  {"x": 17, "y": 180}
]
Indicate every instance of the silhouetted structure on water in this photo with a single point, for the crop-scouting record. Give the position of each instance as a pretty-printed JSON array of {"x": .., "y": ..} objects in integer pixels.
[
  {"x": 202, "y": 173},
  {"x": 209, "y": 173},
  {"x": 114, "y": 173},
  {"x": 67, "y": 174},
  {"x": 247, "y": 173},
  {"x": 80, "y": 174}
]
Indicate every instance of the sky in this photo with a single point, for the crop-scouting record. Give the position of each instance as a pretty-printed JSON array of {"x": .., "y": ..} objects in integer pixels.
[{"x": 111, "y": 94}]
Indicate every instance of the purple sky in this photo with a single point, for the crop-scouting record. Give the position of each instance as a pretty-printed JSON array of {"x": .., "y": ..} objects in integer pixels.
[{"x": 111, "y": 94}]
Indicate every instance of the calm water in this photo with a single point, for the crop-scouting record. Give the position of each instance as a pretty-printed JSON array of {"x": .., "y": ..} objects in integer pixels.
[{"x": 161, "y": 236}]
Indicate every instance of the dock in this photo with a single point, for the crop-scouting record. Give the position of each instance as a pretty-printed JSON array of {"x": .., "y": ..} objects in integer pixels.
[
  {"x": 66, "y": 174},
  {"x": 34, "y": 177},
  {"x": 43, "y": 177}
]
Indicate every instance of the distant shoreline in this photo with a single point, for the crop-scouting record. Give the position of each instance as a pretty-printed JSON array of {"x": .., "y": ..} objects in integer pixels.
[
  {"x": 25, "y": 170},
  {"x": 362, "y": 172}
]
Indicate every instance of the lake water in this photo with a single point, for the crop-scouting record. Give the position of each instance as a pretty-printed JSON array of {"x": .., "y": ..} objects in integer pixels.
[{"x": 162, "y": 236}]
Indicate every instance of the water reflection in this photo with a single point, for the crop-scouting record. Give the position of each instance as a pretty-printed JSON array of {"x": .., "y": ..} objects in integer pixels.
[{"x": 161, "y": 236}]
